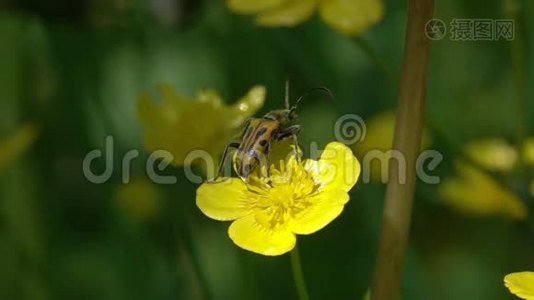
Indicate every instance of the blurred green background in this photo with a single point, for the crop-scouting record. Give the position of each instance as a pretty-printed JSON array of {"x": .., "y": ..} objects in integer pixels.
[{"x": 75, "y": 70}]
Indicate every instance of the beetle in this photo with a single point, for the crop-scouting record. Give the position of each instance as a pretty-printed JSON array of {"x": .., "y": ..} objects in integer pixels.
[{"x": 260, "y": 133}]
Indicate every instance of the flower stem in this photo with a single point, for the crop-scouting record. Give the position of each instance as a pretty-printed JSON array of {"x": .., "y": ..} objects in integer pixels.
[
  {"x": 298, "y": 276},
  {"x": 407, "y": 140}
]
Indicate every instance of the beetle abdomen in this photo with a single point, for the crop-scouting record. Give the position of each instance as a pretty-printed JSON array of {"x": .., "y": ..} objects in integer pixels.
[{"x": 255, "y": 146}]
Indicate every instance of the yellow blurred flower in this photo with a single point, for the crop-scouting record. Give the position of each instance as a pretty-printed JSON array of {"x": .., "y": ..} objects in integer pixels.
[
  {"x": 297, "y": 198},
  {"x": 139, "y": 199},
  {"x": 379, "y": 140},
  {"x": 12, "y": 147},
  {"x": 350, "y": 17},
  {"x": 492, "y": 154},
  {"x": 528, "y": 151},
  {"x": 380, "y": 131},
  {"x": 475, "y": 192},
  {"x": 179, "y": 125},
  {"x": 521, "y": 284}
]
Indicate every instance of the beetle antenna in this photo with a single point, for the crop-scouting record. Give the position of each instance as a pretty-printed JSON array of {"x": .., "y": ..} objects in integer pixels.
[
  {"x": 308, "y": 92},
  {"x": 287, "y": 93}
]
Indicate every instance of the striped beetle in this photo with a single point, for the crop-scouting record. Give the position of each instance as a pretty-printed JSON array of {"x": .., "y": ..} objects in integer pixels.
[{"x": 260, "y": 133}]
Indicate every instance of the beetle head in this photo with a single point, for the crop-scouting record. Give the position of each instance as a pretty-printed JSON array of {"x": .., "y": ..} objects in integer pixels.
[{"x": 283, "y": 116}]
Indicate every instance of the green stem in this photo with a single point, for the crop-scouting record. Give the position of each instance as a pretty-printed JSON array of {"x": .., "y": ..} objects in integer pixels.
[
  {"x": 298, "y": 276},
  {"x": 408, "y": 133}
]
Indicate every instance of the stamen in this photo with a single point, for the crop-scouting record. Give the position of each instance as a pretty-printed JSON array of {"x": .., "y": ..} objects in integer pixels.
[{"x": 283, "y": 195}]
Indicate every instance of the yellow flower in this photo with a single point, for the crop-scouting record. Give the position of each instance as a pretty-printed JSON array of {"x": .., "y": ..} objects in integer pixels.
[
  {"x": 350, "y": 17},
  {"x": 475, "y": 192},
  {"x": 297, "y": 198},
  {"x": 180, "y": 125},
  {"x": 492, "y": 154},
  {"x": 140, "y": 199},
  {"x": 521, "y": 284},
  {"x": 528, "y": 151},
  {"x": 16, "y": 144},
  {"x": 378, "y": 140}
]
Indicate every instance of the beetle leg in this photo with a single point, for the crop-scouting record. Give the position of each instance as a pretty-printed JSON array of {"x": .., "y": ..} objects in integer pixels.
[
  {"x": 231, "y": 145},
  {"x": 268, "y": 159},
  {"x": 234, "y": 145},
  {"x": 263, "y": 160},
  {"x": 268, "y": 164},
  {"x": 291, "y": 131},
  {"x": 296, "y": 145}
]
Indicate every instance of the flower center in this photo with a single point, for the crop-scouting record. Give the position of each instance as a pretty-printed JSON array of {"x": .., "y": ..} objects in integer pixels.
[{"x": 277, "y": 199}]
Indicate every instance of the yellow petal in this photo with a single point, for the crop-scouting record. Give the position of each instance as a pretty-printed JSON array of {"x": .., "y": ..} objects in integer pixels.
[
  {"x": 157, "y": 114},
  {"x": 325, "y": 208},
  {"x": 476, "y": 193},
  {"x": 521, "y": 284},
  {"x": 351, "y": 17},
  {"x": 252, "y": 6},
  {"x": 250, "y": 235},
  {"x": 210, "y": 97},
  {"x": 288, "y": 14},
  {"x": 493, "y": 154},
  {"x": 173, "y": 123},
  {"x": 224, "y": 200},
  {"x": 337, "y": 169},
  {"x": 248, "y": 105}
]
